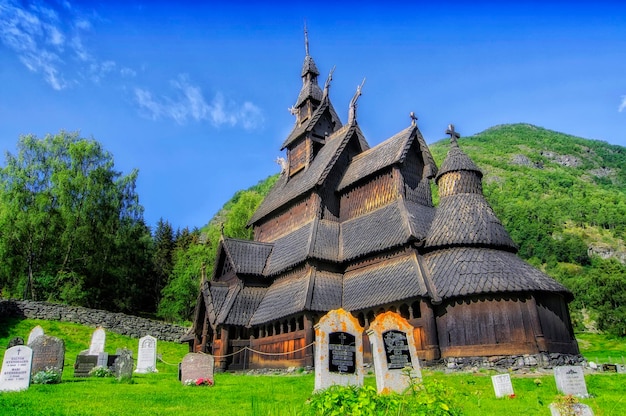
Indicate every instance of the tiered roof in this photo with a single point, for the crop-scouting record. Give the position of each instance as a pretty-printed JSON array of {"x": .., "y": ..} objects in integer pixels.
[{"x": 413, "y": 250}]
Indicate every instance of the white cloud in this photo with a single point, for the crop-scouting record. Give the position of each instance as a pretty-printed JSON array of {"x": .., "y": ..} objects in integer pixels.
[
  {"x": 47, "y": 38},
  {"x": 622, "y": 105},
  {"x": 188, "y": 103}
]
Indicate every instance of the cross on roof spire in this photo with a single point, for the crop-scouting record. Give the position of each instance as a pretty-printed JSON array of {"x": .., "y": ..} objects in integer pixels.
[
  {"x": 413, "y": 118},
  {"x": 453, "y": 134}
]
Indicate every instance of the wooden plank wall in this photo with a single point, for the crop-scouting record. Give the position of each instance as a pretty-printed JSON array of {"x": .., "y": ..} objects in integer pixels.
[
  {"x": 286, "y": 221},
  {"x": 555, "y": 323},
  {"x": 283, "y": 343},
  {"x": 369, "y": 196},
  {"x": 483, "y": 326}
]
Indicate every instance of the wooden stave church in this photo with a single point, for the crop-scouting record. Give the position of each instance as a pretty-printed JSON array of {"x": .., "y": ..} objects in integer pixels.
[{"x": 355, "y": 227}]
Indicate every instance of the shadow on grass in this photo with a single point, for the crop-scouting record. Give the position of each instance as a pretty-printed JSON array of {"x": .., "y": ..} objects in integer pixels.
[{"x": 7, "y": 323}]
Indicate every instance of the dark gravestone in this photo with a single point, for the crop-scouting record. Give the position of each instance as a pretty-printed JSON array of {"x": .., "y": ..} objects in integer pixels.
[
  {"x": 123, "y": 364},
  {"x": 84, "y": 364},
  {"x": 15, "y": 341},
  {"x": 341, "y": 346},
  {"x": 48, "y": 352},
  {"x": 396, "y": 349},
  {"x": 610, "y": 368}
]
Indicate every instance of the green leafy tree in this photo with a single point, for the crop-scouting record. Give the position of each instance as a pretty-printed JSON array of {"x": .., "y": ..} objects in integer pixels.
[{"x": 72, "y": 226}]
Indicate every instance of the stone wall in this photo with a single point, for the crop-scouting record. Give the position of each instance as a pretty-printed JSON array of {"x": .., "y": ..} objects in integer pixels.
[{"x": 132, "y": 326}]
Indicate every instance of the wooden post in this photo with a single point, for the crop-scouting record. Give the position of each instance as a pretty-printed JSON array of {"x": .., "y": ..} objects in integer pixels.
[
  {"x": 540, "y": 339},
  {"x": 309, "y": 337},
  {"x": 224, "y": 348},
  {"x": 431, "y": 340}
]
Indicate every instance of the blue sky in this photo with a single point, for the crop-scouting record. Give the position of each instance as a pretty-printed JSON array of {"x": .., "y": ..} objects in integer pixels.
[{"x": 196, "y": 96}]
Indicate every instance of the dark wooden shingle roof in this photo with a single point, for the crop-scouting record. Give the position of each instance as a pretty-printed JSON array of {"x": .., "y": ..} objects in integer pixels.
[
  {"x": 389, "y": 281},
  {"x": 327, "y": 291},
  {"x": 290, "y": 249},
  {"x": 390, "y": 226},
  {"x": 286, "y": 296},
  {"x": 286, "y": 189},
  {"x": 390, "y": 152},
  {"x": 467, "y": 219},
  {"x": 247, "y": 257},
  {"x": 466, "y": 271},
  {"x": 244, "y": 306},
  {"x": 299, "y": 130},
  {"x": 455, "y": 161}
]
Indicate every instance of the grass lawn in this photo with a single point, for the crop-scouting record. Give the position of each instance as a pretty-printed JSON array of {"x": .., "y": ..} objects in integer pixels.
[{"x": 239, "y": 394}]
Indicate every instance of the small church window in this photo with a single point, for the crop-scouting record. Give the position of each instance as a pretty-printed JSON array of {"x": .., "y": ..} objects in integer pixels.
[
  {"x": 415, "y": 308},
  {"x": 404, "y": 311},
  {"x": 361, "y": 319}
]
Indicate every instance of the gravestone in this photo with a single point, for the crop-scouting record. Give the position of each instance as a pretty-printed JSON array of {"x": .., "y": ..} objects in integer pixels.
[
  {"x": 609, "y": 368},
  {"x": 123, "y": 364},
  {"x": 84, "y": 364},
  {"x": 15, "y": 373},
  {"x": 48, "y": 352},
  {"x": 577, "y": 409},
  {"x": 98, "y": 339},
  {"x": 195, "y": 366},
  {"x": 103, "y": 359},
  {"x": 15, "y": 341},
  {"x": 502, "y": 385},
  {"x": 571, "y": 380},
  {"x": 393, "y": 350},
  {"x": 146, "y": 358},
  {"x": 34, "y": 334},
  {"x": 338, "y": 350}
]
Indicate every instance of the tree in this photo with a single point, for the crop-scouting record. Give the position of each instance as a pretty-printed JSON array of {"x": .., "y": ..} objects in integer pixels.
[
  {"x": 162, "y": 259},
  {"x": 72, "y": 226}
]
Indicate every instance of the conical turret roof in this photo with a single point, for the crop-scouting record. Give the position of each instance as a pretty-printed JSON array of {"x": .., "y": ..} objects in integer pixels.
[{"x": 464, "y": 217}]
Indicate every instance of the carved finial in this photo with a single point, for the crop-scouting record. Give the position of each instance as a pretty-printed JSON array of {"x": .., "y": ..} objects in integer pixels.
[
  {"x": 293, "y": 110},
  {"x": 282, "y": 163},
  {"x": 413, "y": 118},
  {"x": 328, "y": 80},
  {"x": 352, "y": 110},
  {"x": 203, "y": 272},
  {"x": 306, "y": 40},
  {"x": 453, "y": 134}
]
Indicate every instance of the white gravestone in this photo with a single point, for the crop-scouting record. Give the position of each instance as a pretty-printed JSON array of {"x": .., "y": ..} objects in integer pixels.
[
  {"x": 15, "y": 373},
  {"x": 338, "y": 350},
  {"x": 393, "y": 351},
  {"x": 34, "y": 333},
  {"x": 570, "y": 379},
  {"x": 146, "y": 358},
  {"x": 502, "y": 385},
  {"x": 98, "y": 338}
]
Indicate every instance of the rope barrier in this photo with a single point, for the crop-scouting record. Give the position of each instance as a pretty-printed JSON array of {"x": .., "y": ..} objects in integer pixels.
[{"x": 251, "y": 350}]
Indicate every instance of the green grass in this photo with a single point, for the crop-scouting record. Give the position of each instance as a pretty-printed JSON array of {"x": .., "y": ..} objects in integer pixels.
[
  {"x": 239, "y": 394},
  {"x": 602, "y": 348}
]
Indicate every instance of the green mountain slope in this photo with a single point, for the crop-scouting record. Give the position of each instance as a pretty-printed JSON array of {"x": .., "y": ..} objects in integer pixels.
[{"x": 562, "y": 199}]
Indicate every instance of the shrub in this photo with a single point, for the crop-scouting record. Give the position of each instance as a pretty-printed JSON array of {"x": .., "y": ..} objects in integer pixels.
[
  {"x": 100, "y": 371},
  {"x": 50, "y": 375}
]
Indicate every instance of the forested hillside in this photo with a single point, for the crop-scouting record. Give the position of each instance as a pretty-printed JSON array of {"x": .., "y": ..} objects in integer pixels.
[{"x": 562, "y": 199}]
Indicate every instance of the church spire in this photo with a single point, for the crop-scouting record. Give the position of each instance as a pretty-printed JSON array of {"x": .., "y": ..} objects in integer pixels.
[{"x": 310, "y": 94}]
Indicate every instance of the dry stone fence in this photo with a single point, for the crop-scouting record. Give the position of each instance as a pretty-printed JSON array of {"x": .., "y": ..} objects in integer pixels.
[{"x": 120, "y": 323}]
